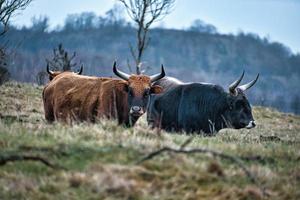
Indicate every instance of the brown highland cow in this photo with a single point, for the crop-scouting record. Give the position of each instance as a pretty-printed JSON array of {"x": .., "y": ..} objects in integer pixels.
[{"x": 70, "y": 97}]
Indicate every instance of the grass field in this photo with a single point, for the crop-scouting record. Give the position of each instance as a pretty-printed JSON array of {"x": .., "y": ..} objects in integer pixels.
[{"x": 99, "y": 161}]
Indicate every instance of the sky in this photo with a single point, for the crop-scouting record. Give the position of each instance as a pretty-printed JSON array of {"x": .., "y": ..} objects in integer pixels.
[{"x": 278, "y": 20}]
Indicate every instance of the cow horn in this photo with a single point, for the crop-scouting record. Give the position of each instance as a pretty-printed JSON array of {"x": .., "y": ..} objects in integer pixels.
[
  {"x": 80, "y": 70},
  {"x": 48, "y": 70},
  {"x": 248, "y": 85},
  {"x": 120, "y": 74},
  {"x": 156, "y": 77},
  {"x": 234, "y": 85}
]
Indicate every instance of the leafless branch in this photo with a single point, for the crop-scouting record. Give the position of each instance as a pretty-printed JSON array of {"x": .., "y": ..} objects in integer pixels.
[
  {"x": 144, "y": 13},
  {"x": 7, "y": 9},
  {"x": 61, "y": 59},
  {"x": 4, "y": 159},
  {"x": 133, "y": 52},
  {"x": 233, "y": 159},
  {"x": 129, "y": 67},
  {"x": 258, "y": 158},
  {"x": 187, "y": 142}
]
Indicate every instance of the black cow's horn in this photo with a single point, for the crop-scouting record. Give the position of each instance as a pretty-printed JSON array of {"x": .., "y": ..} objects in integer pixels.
[
  {"x": 80, "y": 70},
  {"x": 120, "y": 74},
  {"x": 248, "y": 85},
  {"x": 156, "y": 77},
  {"x": 234, "y": 85},
  {"x": 48, "y": 70}
]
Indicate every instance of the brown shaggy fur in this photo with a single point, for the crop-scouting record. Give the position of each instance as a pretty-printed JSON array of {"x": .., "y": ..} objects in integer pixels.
[
  {"x": 70, "y": 97},
  {"x": 56, "y": 73}
]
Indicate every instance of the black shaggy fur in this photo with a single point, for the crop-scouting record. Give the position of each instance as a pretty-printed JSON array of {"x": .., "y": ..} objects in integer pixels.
[{"x": 196, "y": 107}]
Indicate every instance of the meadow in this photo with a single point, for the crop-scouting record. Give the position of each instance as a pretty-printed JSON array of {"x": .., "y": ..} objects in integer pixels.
[{"x": 101, "y": 160}]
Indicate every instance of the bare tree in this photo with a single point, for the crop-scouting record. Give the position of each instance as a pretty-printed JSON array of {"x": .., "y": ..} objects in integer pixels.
[
  {"x": 61, "y": 59},
  {"x": 7, "y": 9},
  {"x": 144, "y": 13}
]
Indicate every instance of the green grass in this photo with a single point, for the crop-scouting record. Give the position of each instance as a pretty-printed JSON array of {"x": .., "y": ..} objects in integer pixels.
[{"x": 100, "y": 159}]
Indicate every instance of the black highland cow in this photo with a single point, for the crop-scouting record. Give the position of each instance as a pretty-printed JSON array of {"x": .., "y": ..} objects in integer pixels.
[{"x": 196, "y": 107}]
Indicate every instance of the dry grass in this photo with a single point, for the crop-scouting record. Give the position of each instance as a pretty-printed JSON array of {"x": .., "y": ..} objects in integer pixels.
[{"x": 100, "y": 159}]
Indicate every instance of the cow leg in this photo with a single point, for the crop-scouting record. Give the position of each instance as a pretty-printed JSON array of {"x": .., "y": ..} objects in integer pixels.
[
  {"x": 49, "y": 114},
  {"x": 67, "y": 115},
  {"x": 49, "y": 117}
]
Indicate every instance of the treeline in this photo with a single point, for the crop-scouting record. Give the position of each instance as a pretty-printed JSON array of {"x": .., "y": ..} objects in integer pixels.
[{"x": 198, "y": 53}]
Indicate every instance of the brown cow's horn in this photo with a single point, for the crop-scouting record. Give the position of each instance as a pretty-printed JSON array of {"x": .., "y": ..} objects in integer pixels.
[
  {"x": 120, "y": 74},
  {"x": 248, "y": 85},
  {"x": 48, "y": 70},
  {"x": 234, "y": 85},
  {"x": 80, "y": 70},
  {"x": 156, "y": 77}
]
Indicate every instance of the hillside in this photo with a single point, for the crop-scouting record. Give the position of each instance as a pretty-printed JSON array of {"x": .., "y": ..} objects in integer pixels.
[
  {"x": 194, "y": 54},
  {"x": 99, "y": 161}
]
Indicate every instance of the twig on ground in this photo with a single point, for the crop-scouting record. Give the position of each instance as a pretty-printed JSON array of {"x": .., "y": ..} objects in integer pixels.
[
  {"x": 4, "y": 159},
  {"x": 187, "y": 142},
  {"x": 205, "y": 151},
  {"x": 257, "y": 158},
  {"x": 235, "y": 160},
  {"x": 273, "y": 138}
]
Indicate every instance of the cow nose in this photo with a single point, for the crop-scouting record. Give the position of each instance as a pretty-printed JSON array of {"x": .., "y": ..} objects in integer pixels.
[
  {"x": 136, "y": 108},
  {"x": 251, "y": 124}
]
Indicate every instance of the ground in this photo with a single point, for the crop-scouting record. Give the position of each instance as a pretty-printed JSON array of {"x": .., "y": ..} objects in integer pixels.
[{"x": 99, "y": 161}]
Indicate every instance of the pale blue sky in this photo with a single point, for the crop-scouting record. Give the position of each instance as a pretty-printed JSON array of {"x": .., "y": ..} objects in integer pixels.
[{"x": 279, "y": 20}]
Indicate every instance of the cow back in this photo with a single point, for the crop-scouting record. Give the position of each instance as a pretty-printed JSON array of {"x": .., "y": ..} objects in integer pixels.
[
  {"x": 168, "y": 83},
  {"x": 72, "y": 97},
  {"x": 189, "y": 107}
]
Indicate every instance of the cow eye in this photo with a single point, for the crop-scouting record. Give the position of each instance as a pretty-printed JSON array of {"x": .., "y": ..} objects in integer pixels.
[
  {"x": 146, "y": 93},
  {"x": 130, "y": 93}
]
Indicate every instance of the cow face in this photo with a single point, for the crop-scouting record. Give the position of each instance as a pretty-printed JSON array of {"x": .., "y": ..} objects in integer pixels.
[
  {"x": 239, "y": 113},
  {"x": 138, "y": 89},
  {"x": 53, "y": 74}
]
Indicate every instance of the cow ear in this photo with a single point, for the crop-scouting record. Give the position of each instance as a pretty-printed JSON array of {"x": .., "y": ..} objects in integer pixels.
[
  {"x": 122, "y": 86},
  {"x": 156, "y": 89}
]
